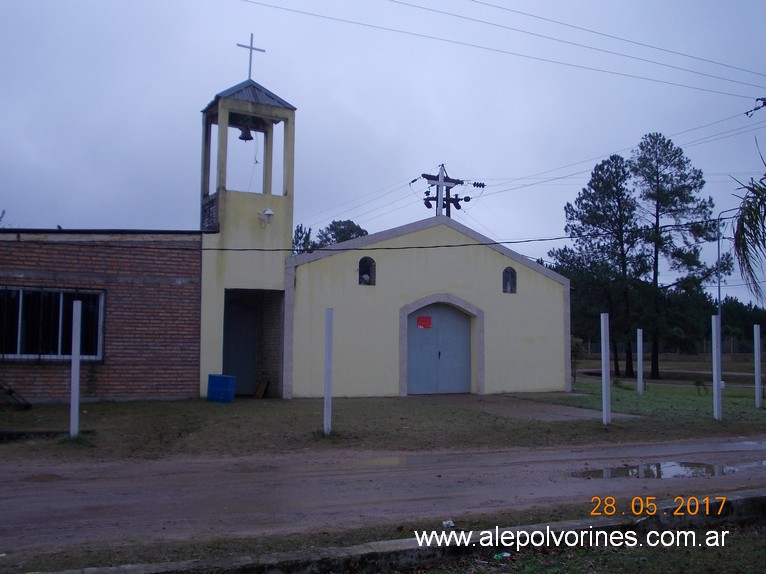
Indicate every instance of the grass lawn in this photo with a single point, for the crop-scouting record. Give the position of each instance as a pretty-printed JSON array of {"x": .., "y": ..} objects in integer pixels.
[
  {"x": 160, "y": 429},
  {"x": 684, "y": 401}
]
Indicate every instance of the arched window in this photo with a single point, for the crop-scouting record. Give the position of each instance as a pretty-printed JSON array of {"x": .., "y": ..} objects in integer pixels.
[
  {"x": 509, "y": 280},
  {"x": 366, "y": 271}
]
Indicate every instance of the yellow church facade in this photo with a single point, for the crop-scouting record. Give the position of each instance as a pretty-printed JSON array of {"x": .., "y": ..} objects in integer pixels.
[{"x": 393, "y": 292}]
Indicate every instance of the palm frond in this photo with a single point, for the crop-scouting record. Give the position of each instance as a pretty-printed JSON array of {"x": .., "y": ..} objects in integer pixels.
[{"x": 750, "y": 234}]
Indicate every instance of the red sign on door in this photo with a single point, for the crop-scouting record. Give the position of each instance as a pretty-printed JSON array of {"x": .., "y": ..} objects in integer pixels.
[{"x": 424, "y": 322}]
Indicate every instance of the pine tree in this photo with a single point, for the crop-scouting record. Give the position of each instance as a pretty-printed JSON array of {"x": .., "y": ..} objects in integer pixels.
[
  {"x": 302, "y": 241},
  {"x": 339, "y": 231},
  {"x": 677, "y": 221},
  {"x": 604, "y": 226}
]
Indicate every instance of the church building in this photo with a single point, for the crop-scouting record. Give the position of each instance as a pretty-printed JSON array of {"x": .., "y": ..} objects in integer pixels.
[{"x": 428, "y": 307}]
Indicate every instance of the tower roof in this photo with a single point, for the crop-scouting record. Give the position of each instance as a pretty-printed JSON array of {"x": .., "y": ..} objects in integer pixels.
[{"x": 253, "y": 92}]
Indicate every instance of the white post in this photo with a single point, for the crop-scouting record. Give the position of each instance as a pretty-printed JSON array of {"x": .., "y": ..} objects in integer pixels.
[
  {"x": 757, "y": 359},
  {"x": 640, "y": 360},
  {"x": 606, "y": 391},
  {"x": 716, "y": 328},
  {"x": 74, "y": 404},
  {"x": 328, "y": 371}
]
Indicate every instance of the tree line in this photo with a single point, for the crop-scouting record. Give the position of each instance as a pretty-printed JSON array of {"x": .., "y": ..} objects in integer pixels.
[{"x": 636, "y": 219}]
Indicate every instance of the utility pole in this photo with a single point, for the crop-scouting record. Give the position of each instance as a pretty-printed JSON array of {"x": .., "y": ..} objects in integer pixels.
[{"x": 444, "y": 184}]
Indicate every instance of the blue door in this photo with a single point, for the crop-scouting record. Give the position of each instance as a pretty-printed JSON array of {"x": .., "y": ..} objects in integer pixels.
[
  {"x": 240, "y": 339},
  {"x": 438, "y": 350}
]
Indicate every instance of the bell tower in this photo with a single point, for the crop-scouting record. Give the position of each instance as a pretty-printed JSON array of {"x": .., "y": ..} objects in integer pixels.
[
  {"x": 246, "y": 239},
  {"x": 247, "y": 107}
]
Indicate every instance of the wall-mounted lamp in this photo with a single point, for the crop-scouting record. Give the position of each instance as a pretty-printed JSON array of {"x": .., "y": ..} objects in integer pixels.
[{"x": 266, "y": 215}]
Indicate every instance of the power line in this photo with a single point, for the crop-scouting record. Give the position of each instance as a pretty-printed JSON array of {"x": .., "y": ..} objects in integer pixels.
[
  {"x": 576, "y": 175},
  {"x": 618, "y": 38},
  {"x": 549, "y": 180},
  {"x": 387, "y": 207},
  {"x": 394, "y": 248},
  {"x": 340, "y": 248},
  {"x": 669, "y": 226},
  {"x": 585, "y": 46},
  {"x": 694, "y": 142},
  {"x": 476, "y": 222},
  {"x": 723, "y": 135},
  {"x": 497, "y": 50},
  {"x": 374, "y": 195}
]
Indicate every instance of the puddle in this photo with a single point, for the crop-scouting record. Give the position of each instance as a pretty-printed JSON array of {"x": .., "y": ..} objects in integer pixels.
[{"x": 669, "y": 470}]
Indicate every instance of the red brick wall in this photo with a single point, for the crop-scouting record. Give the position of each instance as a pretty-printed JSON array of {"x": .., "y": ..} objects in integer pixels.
[
  {"x": 270, "y": 342},
  {"x": 151, "y": 285}
]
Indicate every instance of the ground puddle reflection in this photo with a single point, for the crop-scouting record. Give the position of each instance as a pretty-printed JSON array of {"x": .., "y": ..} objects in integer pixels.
[{"x": 668, "y": 470}]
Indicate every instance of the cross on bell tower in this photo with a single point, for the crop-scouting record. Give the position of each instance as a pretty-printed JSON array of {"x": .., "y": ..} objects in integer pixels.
[
  {"x": 252, "y": 49},
  {"x": 248, "y": 107}
]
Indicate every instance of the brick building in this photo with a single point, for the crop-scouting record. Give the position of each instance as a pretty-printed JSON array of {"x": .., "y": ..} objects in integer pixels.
[{"x": 140, "y": 296}]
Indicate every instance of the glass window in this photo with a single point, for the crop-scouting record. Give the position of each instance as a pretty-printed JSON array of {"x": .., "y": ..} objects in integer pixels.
[
  {"x": 40, "y": 318},
  {"x": 9, "y": 321},
  {"x": 37, "y": 323},
  {"x": 91, "y": 303},
  {"x": 509, "y": 280}
]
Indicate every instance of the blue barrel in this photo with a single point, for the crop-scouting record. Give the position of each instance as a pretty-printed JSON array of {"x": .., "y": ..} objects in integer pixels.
[{"x": 220, "y": 388}]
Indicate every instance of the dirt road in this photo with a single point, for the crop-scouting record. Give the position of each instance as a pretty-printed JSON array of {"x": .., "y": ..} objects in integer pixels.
[{"x": 53, "y": 504}]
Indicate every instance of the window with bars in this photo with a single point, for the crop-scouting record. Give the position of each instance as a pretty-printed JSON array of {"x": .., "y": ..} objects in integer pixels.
[{"x": 37, "y": 323}]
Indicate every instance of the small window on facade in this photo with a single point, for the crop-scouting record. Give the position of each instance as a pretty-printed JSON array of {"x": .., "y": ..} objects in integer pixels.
[
  {"x": 366, "y": 271},
  {"x": 37, "y": 323},
  {"x": 509, "y": 280}
]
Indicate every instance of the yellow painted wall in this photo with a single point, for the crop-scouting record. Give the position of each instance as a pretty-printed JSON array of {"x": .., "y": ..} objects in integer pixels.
[
  {"x": 526, "y": 333},
  {"x": 230, "y": 262}
]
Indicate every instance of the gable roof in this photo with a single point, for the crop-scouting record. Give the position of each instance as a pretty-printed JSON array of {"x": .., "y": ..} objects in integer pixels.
[
  {"x": 253, "y": 92},
  {"x": 368, "y": 241}
]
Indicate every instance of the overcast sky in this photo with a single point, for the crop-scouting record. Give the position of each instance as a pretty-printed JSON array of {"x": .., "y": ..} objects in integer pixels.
[{"x": 102, "y": 101}]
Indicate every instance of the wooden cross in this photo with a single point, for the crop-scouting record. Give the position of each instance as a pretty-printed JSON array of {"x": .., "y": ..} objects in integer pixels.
[{"x": 252, "y": 49}]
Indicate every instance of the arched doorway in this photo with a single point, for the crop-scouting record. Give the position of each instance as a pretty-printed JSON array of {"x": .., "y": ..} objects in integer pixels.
[{"x": 438, "y": 350}]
